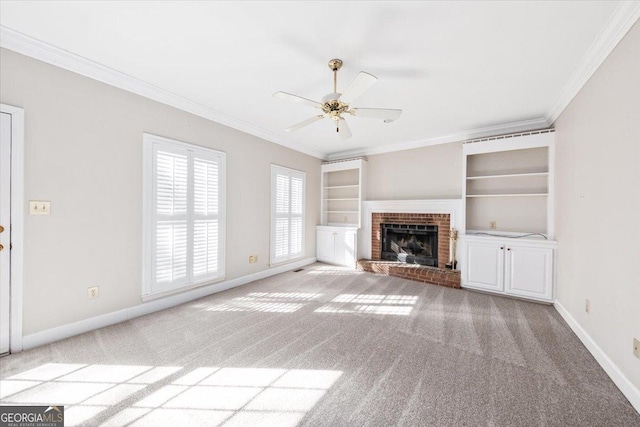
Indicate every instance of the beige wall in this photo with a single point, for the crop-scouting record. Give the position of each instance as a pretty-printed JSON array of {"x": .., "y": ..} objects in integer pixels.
[
  {"x": 83, "y": 152},
  {"x": 598, "y": 205},
  {"x": 422, "y": 173}
]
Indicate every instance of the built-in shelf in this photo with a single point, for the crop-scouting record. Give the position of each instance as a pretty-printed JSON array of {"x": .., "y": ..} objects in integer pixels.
[
  {"x": 510, "y": 195},
  {"x": 509, "y": 175},
  {"x": 342, "y": 190}
]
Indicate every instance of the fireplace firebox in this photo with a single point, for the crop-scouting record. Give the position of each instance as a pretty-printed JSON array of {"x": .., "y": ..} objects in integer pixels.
[{"x": 410, "y": 243}]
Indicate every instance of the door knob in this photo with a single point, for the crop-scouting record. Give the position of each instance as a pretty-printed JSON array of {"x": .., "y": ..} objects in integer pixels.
[
  {"x": 1, "y": 229},
  {"x": 1, "y": 247}
]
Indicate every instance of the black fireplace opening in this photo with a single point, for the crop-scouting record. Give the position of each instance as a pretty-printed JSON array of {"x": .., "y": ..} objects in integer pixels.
[{"x": 410, "y": 243}]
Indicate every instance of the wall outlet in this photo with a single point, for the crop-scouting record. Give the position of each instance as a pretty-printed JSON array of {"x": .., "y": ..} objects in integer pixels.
[
  {"x": 93, "y": 292},
  {"x": 636, "y": 347},
  {"x": 493, "y": 225},
  {"x": 39, "y": 207},
  {"x": 253, "y": 259},
  {"x": 587, "y": 306}
]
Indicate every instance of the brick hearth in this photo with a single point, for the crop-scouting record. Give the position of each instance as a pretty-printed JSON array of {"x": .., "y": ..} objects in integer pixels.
[{"x": 420, "y": 273}]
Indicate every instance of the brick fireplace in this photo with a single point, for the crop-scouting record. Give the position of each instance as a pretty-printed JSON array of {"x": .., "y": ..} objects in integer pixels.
[
  {"x": 442, "y": 221},
  {"x": 435, "y": 275}
]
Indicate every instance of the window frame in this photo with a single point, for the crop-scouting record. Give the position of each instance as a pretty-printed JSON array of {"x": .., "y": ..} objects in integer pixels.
[
  {"x": 272, "y": 226},
  {"x": 149, "y": 144}
]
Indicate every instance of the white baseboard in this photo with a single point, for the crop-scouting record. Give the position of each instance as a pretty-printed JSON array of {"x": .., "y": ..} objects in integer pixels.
[
  {"x": 630, "y": 391},
  {"x": 97, "y": 322}
]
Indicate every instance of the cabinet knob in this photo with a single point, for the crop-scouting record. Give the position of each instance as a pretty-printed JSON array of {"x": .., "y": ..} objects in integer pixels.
[
  {"x": 508, "y": 249},
  {"x": 501, "y": 247}
]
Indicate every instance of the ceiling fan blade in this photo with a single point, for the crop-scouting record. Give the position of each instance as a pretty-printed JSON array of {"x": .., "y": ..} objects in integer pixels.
[
  {"x": 297, "y": 99},
  {"x": 358, "y": 86},
  {"x": 343, "y": 129},
  {"x": 386, "y": 114},
  {"x": 304, "y": 123}
]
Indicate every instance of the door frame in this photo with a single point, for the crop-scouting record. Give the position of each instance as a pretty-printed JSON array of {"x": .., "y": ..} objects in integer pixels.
[{"x": 17, "y": 224}]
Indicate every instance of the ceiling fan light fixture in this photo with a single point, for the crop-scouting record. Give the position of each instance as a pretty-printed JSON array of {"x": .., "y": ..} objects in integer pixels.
[{"x": 335, "y": 104}]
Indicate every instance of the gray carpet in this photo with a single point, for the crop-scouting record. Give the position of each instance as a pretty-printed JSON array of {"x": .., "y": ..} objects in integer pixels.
[{"x": 330, "y": 347}]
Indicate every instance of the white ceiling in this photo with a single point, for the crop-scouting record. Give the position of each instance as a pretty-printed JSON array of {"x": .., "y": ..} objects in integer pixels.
[{"x": 453, "y": 67}]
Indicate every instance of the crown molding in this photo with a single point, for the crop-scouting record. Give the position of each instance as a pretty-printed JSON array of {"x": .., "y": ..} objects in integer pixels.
[
  {"x": 25, "y": 45},
  {"x": 525, "y": 125},
  {"x": 621, "y": 20},
  {"x": 619, "y": 23}
]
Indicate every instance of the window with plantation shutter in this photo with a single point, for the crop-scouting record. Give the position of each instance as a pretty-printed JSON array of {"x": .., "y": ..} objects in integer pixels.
[
  {"x": 183, "y": 215},
  {"x": 287, "y": 214}
]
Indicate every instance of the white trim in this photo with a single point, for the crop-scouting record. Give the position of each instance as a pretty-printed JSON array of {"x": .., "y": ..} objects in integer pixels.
[
  {"x": 21, "y": 43},
  {"x": 17, "y": 224},
  {"x": 631, "y": 392},
  {"x": 65, "y": 331},
  {"x": 453, "y": 207},
  {"x": 526, "y": 125},
  {"x": 619, "y": 23}
]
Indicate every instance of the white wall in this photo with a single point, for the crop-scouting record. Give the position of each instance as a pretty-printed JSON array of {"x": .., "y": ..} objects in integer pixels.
[
  {"x": 83, "y": 152},
  {"x": 433, "y": 172},
  {"x": 598, "y": 205}
]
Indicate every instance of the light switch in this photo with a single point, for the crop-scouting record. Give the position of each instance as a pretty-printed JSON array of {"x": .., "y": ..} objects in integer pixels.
[{"x": 39, "y": 207}]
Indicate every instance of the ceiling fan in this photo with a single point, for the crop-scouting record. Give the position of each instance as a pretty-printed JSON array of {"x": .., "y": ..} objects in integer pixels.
[{"x": 335, "y": 104}]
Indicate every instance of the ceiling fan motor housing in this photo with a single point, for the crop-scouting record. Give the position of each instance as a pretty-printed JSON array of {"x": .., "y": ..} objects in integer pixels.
[{"x": 332, "y": 106}]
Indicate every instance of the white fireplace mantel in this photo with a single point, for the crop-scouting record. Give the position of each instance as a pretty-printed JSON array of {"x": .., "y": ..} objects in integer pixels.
[{"x": 453, "y": 207}]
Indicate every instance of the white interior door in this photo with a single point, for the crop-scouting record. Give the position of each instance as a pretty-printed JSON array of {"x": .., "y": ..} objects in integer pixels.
[{"x": 5, "y": 212}]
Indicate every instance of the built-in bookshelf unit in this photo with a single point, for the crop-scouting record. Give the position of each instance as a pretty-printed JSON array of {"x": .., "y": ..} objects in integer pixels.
[
  {"x": 342, "y": 192},
  {"x": 508, "y": 184},
  {"x": 507, "y": 243}
]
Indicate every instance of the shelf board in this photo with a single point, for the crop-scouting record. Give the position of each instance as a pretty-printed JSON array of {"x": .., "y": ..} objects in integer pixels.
[
  {"x": 509, "y": 175},
  {"x": 341, "y": 186},
  {"x": 510, "y": 195},
  {"x": 349, "y": 198},
  {"x": 343, "y": 212}
]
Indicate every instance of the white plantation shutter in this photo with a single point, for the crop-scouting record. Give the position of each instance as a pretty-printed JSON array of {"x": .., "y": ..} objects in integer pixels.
[
  {"x": 206, "y": 201},
  {"x": 287, "y": 214},
  {"x": 184, "y": 214},
  {"x": 170, "y": 206}
]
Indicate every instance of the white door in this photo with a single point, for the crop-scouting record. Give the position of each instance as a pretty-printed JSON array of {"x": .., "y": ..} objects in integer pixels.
[
  {"x": 5, "y": 211},
  {"x": 484, "y": 266},
  {"x": 346, "y": 248},
  {"x": 325, "y": 246},
  {"x": 529, "y": 272}
]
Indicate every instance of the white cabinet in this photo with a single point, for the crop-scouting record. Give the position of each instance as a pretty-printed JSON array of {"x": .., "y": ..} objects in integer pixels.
[
  {"x": 336, "y": 245},
  {"x": 529, "y": 271},
  {"x": 485, "y": 265},
  {"x": 522, "y": 268}
]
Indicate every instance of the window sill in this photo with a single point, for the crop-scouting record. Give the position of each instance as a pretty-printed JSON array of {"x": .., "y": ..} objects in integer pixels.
[{"x": 163, "y": 294}]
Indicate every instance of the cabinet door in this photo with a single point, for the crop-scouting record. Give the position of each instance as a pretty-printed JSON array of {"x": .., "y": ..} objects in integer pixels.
[
  {"x": 325, "y": 246},
  {"x": 529, "y": 272},
  {"x": 484, "y": 266},
  {"x": 346, "y": 248}
]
